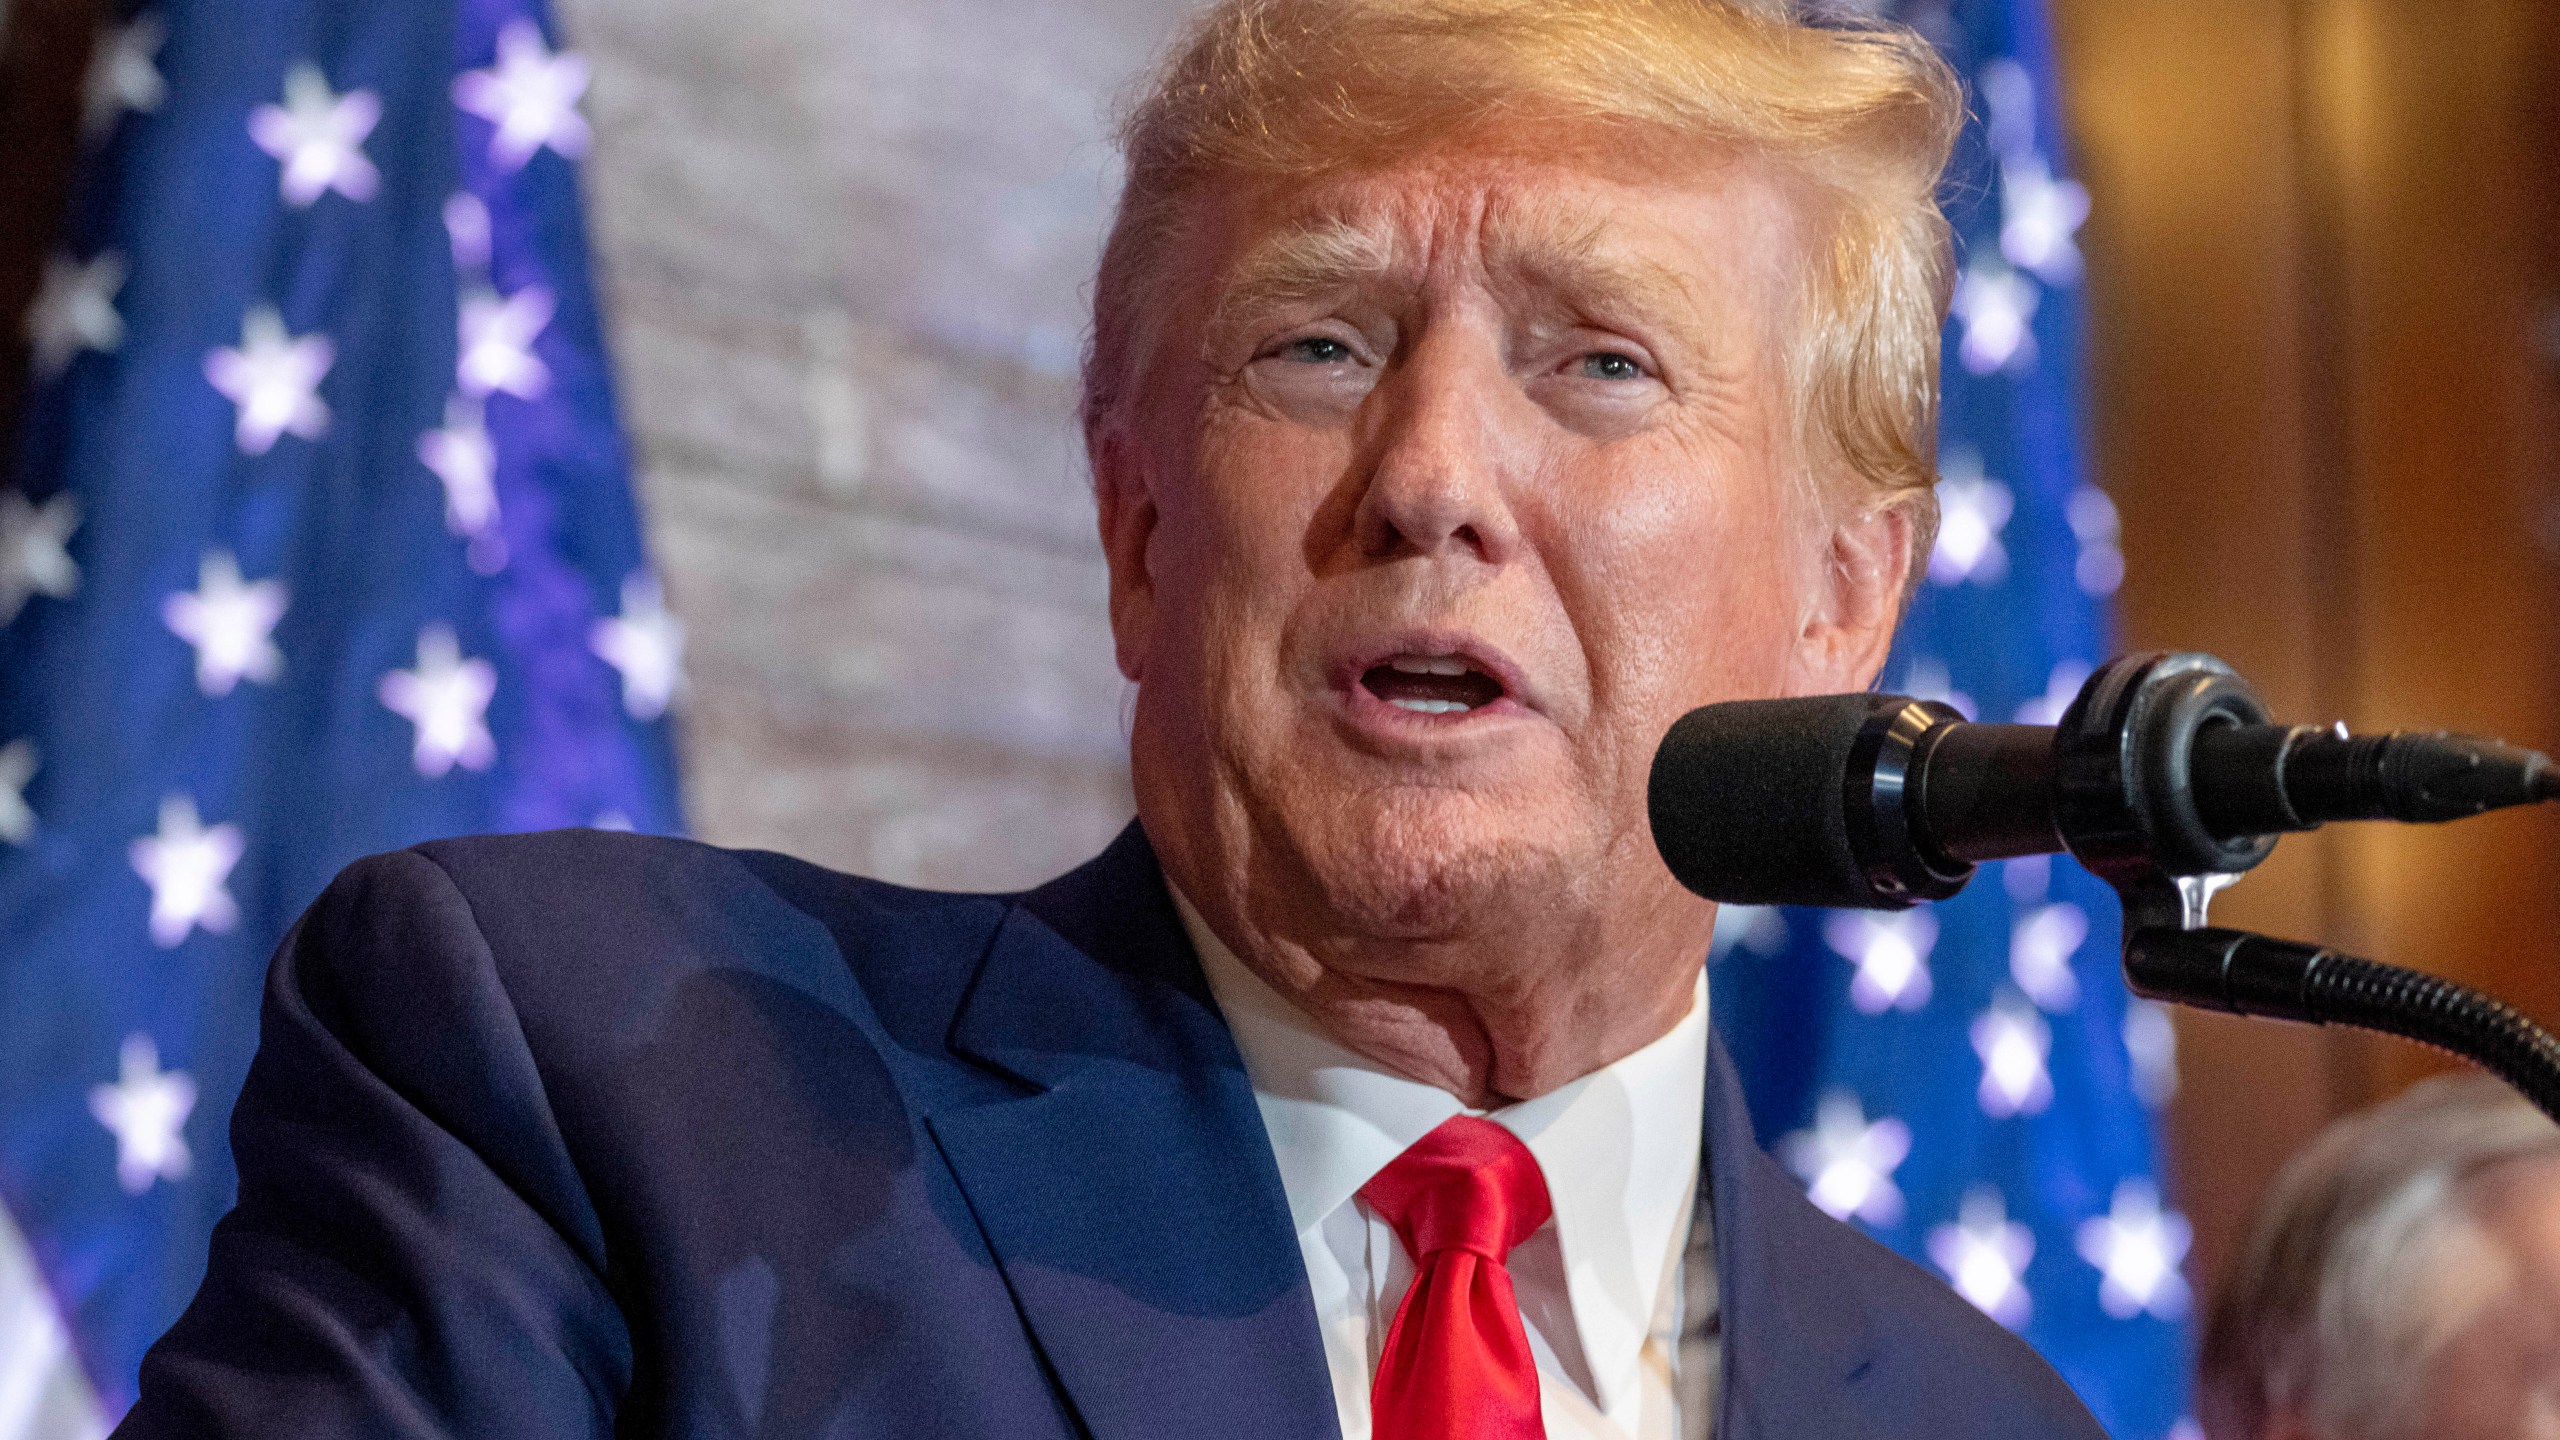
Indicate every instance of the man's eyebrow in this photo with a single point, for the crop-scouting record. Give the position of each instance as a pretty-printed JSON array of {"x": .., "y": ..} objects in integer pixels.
[{"x": 1299, "y": 263}]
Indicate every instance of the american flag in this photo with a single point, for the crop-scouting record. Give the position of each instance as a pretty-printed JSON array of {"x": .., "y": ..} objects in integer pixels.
[
  {"x": 320, "y": 543},
  {"x": 1969, "y": 1081}
]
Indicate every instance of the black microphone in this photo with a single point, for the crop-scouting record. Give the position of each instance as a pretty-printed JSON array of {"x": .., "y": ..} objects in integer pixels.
[{"x": 1880, "y": 801}]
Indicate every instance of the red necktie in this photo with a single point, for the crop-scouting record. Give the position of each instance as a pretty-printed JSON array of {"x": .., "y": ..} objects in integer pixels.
[{"x": 1457, "y": 1364}]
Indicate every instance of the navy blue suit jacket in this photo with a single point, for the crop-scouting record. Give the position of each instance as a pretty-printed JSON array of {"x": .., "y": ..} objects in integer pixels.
[{"x": 583, "y": 1134}]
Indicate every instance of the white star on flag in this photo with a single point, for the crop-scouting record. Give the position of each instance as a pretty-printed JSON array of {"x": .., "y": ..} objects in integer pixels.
[
  {"x": 646, "y": 644},
  {"x": 2137, "y": 1247},
  {"x": 124, "y": 74},
  {"x": 531, "y": 95},
  {"x": 447, "y": 698},
  {"x": 1996, "y": 305},
  {"x": 274, "y": 378},
  {"x": 2012, "y": 1041},
  {"x": 33, "y": 560},
  {"x": 1985, "y": 1255},
  {"x": 2041, "y": 945},
  {"x": 2009, "y": 104},
  {"x": 17, "y": 767},
  {"x": 2151, "y": 1044},
  {"x": 230, "y": 623},
  {"x": 462, "y": 457},
  {"x": 1891, "y": 950},
  {"x": 466, "y": 225},
  {"x": 2039, "y": 216},
  {"x": 2027, "y": 877},
  {"x": 75, "y": 310},
  {"x": 2061, "y": 686},
  {"x": 146, "y": 1110},
  {"x": 320, "y": 138},
  {"x": 1847, "y": 1164},
  {"x": 187, "y": 866},
  {"x": 1760, "y": 929},
  {"x": 1973, "y": 509},
  {"x": 1930, "y": 679},
  {"x": 497, "y": 343},
  {"x": 2100, "y": 568}
]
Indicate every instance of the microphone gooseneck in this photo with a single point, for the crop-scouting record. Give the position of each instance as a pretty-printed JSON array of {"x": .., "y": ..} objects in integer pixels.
[{"x": 2244, "y": 974}]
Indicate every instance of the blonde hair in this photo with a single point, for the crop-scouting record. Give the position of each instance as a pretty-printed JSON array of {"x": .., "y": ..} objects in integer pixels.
[{"x": 1278, "y": 89}]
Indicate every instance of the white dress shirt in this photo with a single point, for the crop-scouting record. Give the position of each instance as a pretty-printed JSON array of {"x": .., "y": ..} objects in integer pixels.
[{"x": 1598, "y": 1284}]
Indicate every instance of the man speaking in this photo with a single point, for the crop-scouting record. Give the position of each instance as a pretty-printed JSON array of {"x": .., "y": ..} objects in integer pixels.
[{"x": 1476, "y": 386}]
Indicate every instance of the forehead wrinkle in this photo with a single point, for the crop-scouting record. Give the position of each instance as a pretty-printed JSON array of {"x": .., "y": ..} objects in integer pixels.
[
  {"x": 1543, "y": 245},
  {"x": 1525, "y": 245}
]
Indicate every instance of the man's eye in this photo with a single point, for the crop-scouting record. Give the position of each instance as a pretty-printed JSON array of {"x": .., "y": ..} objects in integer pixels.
[
  {"x": 1610, "y": 365},
  {"x": 1317, "y": 350}
]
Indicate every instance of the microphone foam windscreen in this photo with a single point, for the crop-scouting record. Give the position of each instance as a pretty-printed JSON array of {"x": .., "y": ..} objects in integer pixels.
[{"x": 1747, "y": 800}]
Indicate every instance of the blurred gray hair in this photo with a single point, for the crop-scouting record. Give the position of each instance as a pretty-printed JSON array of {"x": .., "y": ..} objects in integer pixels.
[{"x": 2318, "y": 1319}]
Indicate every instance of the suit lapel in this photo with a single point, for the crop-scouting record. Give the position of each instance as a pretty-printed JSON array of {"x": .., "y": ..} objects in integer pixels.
[
  {"x": 1131, "y": 1199},
  {"x": 1795, "y": 1336}
]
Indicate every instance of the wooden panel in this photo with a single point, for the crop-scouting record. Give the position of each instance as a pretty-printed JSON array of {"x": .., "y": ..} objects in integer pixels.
[
  {"x": 45, "y": 51},
  {"x": 2314, "y": 283},
  {"x": 2457, "y": 605},
  {"x": 2184, "y": 133}
]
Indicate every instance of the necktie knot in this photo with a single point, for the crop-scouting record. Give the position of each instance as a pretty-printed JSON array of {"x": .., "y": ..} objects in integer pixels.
[{"x": 1468, "y": 1185}]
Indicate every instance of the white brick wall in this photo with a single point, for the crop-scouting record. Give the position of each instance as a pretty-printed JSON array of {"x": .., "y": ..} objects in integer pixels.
[{"x": 845, "y": 247}]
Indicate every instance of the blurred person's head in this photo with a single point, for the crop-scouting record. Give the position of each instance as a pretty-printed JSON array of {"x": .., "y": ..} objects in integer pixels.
[
  {"x": 1477, "y": 386},
  {"x": 2402, "y": 1280}
]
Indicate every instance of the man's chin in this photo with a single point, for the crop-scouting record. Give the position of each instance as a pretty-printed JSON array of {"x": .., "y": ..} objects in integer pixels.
[{"x": 1427, "y": 863}]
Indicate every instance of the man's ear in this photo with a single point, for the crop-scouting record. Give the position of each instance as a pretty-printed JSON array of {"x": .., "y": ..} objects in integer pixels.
[
  {"x": 1125, "y": 508},
  {"x": 1857, "y": 602}
]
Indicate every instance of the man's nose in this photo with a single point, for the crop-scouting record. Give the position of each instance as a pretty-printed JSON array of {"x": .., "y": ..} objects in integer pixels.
[{"x": 1440, "y": 451}]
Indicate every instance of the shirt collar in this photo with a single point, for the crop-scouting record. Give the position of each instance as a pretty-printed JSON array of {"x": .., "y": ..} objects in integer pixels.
[{"x": 1619, "y": 1147}]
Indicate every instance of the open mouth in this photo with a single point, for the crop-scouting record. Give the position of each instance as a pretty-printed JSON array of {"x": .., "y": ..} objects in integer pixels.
[{"x": 1431, "y": 684}]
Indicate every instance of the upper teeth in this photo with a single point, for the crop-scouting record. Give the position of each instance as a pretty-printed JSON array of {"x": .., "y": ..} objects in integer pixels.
[{"x": 1428, "y": 664}]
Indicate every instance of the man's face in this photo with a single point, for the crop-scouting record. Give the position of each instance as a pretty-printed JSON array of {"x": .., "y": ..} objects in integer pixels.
[{"x": 1451, "y": 486}]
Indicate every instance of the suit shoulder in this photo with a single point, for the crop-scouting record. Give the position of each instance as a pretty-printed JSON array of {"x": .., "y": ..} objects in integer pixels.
[
  {"x": 1931, "y": 1362},
  {"x": 588, "y": 924},
  {"x": 499, "y": 864},
  {"x": 1939, "y": 1355},
  {"x": 1936, "y": 1338},
  {"x": 616, "y": 880}
]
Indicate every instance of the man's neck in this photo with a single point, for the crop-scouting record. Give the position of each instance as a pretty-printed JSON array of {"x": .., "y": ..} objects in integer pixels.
[{"x": 1486, "y": 1047}]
